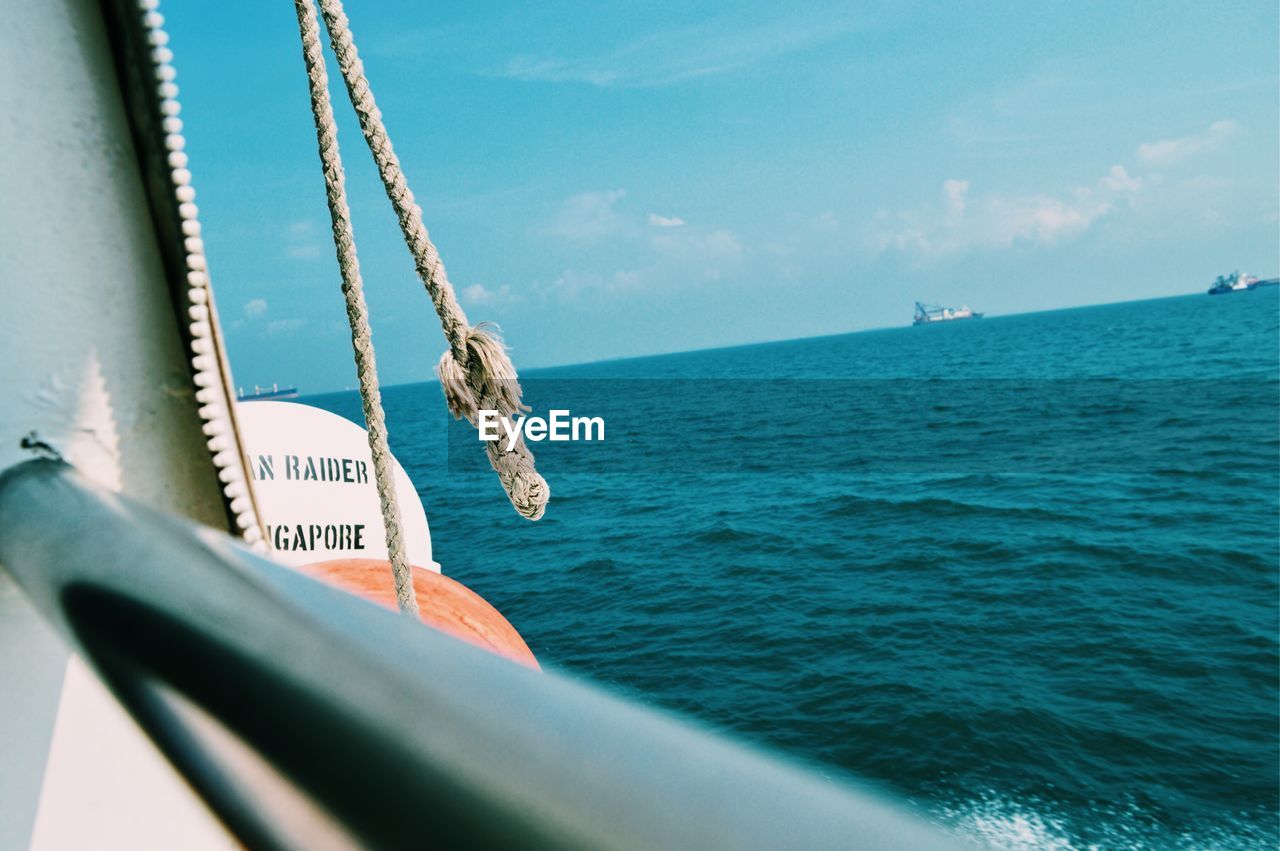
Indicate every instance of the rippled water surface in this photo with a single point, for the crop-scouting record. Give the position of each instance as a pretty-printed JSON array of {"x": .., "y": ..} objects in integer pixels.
[{"x": 1020, "y": 570}]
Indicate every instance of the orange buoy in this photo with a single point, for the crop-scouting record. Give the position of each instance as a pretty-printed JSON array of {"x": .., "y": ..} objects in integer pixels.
[{"x": 444, "y": 604}]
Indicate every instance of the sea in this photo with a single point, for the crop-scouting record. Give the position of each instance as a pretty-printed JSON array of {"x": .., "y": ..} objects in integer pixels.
[{"x": 1021, "y": 572}]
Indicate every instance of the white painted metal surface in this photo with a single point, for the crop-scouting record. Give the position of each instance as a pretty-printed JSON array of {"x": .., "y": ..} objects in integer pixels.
[
  {"x": 94, "y": 364},
  {"x": 313, "y": 480}
]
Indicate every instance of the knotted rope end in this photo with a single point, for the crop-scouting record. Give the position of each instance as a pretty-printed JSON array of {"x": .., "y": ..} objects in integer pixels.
[
  {"x": 488, "y": 381},
  {"x": 453, "y": 382},
  {"x": 488, "y": 378}
]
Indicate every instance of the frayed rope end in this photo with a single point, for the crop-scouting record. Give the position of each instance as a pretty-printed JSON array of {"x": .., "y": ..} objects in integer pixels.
[
  {"x": 489, "y": 382},
  {"x": 491, "y": 375}
]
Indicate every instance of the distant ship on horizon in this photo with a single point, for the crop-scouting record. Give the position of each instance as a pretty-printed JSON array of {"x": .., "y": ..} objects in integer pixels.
[
  {"x": 1236, "y": 282},
  {"x": 275, "y": 391},
  {"x": 1233, "y": 283},
  {"x": 927, "y": 314}
]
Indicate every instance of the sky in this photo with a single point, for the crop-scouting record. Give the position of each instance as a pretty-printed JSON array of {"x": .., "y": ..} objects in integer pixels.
[{"x": 610, "y": 180}]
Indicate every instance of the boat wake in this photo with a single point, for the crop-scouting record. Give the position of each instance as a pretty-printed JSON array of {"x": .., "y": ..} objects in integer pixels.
[{"x": 998, "y": 822}]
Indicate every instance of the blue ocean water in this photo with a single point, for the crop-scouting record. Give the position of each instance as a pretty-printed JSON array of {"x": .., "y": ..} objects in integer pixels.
[{"x": 1022, "y": 571}]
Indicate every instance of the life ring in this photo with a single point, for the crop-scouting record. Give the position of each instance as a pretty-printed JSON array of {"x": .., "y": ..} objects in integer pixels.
[
  {"x": 313, "y": 481},
  {"x": 444, "y": 604}
]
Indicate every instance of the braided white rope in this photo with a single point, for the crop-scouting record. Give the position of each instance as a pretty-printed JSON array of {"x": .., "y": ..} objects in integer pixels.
[
  {"x": 476, "y": 372},
  {"x": 353, "y": 292}
]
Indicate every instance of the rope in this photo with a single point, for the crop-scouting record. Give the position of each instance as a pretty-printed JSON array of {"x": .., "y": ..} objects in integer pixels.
[
  {"x": 476, "y": 372},
  {"x": 357, "y": 313}
]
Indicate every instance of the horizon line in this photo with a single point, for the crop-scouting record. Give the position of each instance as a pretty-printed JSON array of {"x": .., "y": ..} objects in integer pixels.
[{"x": 754, "y": 343}]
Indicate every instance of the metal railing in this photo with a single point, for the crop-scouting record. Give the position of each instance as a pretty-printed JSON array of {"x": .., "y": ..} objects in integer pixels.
[{"x": 308, "y": 718}]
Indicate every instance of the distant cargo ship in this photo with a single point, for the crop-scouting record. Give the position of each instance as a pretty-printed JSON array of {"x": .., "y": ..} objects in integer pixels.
[
  {"x": 275, "y": 391},
  {"x": 1234, "y": 283},
  {"x": 929, "y": 313}
]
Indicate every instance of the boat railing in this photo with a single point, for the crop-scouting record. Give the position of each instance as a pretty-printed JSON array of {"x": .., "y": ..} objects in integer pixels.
[{"x": 308, "y": 718}]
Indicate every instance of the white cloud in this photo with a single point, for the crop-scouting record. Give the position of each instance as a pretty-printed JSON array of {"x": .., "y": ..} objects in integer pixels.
[
  {"x": 691, "y": 255},
  {"x": 671, "y": 257},
  {"x": 713, "y": 46},
  {"x": 255, "y": 307},
  {"x": 631, "y": 250},
  {"x": 575, "y": 282},
  {"x": 588, "y": 215},
  {"x": 1167, "y": 152},
  {"x": 665, "y": 221},
  {"x": 955, "y": 190},
  {"x": 1119, "y": 180},
  {"x": 301, "y": 241},
  {"x": 481, "y": 296},
  {"x": 962, "y": 222},
  {"x": 552, "y": 70},
  {"x": 1205, "y": 183},
  {"x": 826, "y": 221},
  {"x": 1040, "y": 218},
  {"x": 306, "y": 251},
  {"x": 285, "y": 326},
  {"x": 712, "y": 245}
]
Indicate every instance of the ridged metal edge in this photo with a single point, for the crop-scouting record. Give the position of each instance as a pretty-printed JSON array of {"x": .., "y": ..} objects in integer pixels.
[{"x": 210, "y": 368}]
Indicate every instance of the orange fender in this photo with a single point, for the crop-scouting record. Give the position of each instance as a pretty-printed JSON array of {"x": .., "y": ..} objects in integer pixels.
[{"x": 446, "y": 605}]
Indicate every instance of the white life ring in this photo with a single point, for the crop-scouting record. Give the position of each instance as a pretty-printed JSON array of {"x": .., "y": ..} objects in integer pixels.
[{"x": 313, "y": 479}]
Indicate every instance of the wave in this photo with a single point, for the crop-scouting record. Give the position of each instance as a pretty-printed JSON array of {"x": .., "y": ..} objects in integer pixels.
[
  {"x": 850, "y": 505},
  {"x": 1004, "y": 824},
  {"x": 722, "y": 534}
]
